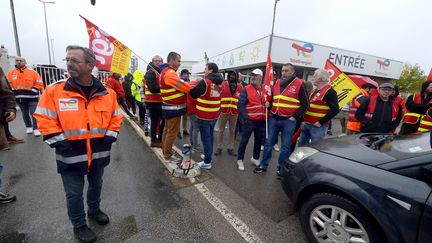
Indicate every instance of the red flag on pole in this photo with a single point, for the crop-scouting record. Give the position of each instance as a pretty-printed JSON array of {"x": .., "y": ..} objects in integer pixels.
[
  {"x": 110, "y": 53},
  {"x": 429, "y": 78},
  {"x": 268, "y": 81}
]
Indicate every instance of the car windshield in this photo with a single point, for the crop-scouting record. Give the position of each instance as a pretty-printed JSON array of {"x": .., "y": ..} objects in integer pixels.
[{"x": 405, "y": 144}]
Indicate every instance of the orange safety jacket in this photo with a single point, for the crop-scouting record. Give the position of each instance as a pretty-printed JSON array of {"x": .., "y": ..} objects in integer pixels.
[
  {"x": 318, "y": 108},
  {"x": 353, "y": 124},
  {"x": 80, "y": 129},
  {"x": 208, "y": 105},
  {"x": 255, "y": 108},
  {"x": 228, "y": 101},
  {"x": 25, "y": 83},
  {"x": 413, "y": 117},
  {"x": 173, "y": 91},
  {"x": 287, "y": 102}
]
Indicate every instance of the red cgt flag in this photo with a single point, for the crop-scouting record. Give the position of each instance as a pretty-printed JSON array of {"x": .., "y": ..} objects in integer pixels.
[
  {"x": 110, "y": 53},
  {"x": 429, "y": 78},
  {"x": 268, "y": 81}
]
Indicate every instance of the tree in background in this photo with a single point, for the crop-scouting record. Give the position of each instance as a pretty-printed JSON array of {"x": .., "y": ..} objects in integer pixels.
[{"x": 411, "y": 78}]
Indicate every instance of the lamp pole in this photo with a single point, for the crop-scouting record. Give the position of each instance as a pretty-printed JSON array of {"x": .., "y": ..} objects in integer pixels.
[
  {"x": 46, "y": 26},
  {"x": 52, "y": 51},
  {"x": 272, "y": 31},
  {"x": 18, "y": 50}
]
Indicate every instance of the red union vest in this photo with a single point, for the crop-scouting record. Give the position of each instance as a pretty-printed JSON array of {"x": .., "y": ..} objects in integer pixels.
[
  {"x": 372, "y": 104},
  {"x": 413, "y": 117},
  {"x": 208, "y": 105},
  {"x": 426, "y": 122},
  {"x": 286, "y": 103},
  {"x": 170, "y": 96},
  {"x": 228, "y": 101},
  {"x": 255, "y": 107},
  {"x": 318, "y": 108},
  {"x": 152, "y": 97}
]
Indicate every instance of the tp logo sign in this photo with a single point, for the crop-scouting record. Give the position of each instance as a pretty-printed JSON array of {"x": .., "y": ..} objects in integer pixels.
[{"x": 305, "y": 50}]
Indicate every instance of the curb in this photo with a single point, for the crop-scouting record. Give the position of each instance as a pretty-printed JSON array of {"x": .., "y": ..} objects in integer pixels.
[{"x": 172, "y": 168}]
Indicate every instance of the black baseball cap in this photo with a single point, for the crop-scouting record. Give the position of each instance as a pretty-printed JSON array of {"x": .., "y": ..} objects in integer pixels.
[{"x": 183, "y": 71}]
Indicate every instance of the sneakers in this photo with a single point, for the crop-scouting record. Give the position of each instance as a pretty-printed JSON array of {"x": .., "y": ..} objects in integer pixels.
[
  {"x": 205, "y": 166},
  {"x": 100, "y": 217},
  {"x": 6, "y": 198},
  {"x": 278, "y": 172},
  {"x": 29, "y": 130},
  {"x": 259, "y": 170},
  {"x": 13, "y": 140},
  {"x": 256, "y": 162},
  {"x": 276, "y": 148},
  {"x": 85, "y": 234},
  {"x": 218, "y": 152},
  {"x": 231, "y": 152},
  {"x": 37, "y": 133},
  {"x": 240, "y": 165},
  {"x": 329, "y": 132}
]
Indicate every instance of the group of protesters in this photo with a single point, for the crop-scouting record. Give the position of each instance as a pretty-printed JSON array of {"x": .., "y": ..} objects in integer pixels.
[{"x": 80, "y": 116}]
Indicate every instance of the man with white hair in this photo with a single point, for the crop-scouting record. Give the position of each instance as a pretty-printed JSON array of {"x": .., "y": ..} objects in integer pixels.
[{"x": 323, "y": 107}]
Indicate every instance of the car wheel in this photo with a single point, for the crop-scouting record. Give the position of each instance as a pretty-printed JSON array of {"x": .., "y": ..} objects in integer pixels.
[{"x": 328, "y": 217}]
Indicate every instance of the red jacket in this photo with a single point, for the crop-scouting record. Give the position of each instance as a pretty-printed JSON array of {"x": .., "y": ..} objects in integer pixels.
[{"x": 116, "y": 86}]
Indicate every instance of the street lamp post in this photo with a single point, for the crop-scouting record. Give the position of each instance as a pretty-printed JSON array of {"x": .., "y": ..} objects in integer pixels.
[
  {"x": 46, "y": 26},
  {"x": 15, "y": 29},
  {"x": 272, "y": 31},
  {"x": 52, "y": 51}
]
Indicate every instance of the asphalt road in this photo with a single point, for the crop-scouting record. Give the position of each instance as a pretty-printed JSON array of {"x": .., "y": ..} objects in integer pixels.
[{"x": 144, "y": 202}]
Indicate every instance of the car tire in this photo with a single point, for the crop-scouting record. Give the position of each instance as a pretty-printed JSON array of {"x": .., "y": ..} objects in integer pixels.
[{"x": 326, "y": 216}]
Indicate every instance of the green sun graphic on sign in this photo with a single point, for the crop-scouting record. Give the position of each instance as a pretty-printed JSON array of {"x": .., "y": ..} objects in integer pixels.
[{"x": 231, "y": 60}]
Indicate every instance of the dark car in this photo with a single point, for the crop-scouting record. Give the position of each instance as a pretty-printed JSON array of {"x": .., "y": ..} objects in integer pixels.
[{"x": 363, "y": 188}]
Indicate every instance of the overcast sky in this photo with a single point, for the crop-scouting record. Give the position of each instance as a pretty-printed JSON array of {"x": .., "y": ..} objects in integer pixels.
[{"x": 395, "y": 29}]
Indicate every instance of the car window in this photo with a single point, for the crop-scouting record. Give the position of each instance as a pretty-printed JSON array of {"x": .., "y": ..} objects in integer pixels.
[{"x": 413, "y": 144}]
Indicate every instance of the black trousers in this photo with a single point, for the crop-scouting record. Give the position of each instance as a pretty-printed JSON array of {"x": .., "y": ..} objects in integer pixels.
[{"x": 155, "y": 120}]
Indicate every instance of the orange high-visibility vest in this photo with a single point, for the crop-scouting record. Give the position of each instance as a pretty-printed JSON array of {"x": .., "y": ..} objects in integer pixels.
[
  {"x": 208, "y": 105},
  {"x": 286, "y": 102},
  {"x": 318, "y": 108},
  {"x": 255, "y": 107},
  {"x": 228, "y": 101}
]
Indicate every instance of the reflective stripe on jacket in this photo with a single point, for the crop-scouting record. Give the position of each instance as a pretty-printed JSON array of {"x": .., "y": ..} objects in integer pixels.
[
  {"x": 208, "y": 105},
  {"x": 318, "y": 108},
  {"x": 413, "y": 117},
  {"x": 79, "y": 128},
  {"x": 286, "y": 102},
  {"x": 152, "y": 97},
  {"x": 25, "y": 83},
  {"x": 255, "y": 107},
  {"x": 228, "y": 101}
]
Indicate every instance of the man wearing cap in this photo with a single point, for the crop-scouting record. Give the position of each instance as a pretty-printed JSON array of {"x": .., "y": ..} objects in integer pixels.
[
  {"x": 289, "y": 102},
  {"x": 230, "y": 92},
  {"x": 353, "y": 125},
  {"x": 251, "y": 108},
  {"x": 380, "y": 113},
  {"x": 323, "y": 107}
]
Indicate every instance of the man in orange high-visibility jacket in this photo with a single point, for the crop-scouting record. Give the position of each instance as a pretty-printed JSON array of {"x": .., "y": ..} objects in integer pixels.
[
  {"x": 26, "y": 85},
  {"x": 323, "y": 107},
  {"x": 353, "y": 125},
  {"x": 207, "y": 99},
  {"x": 173, "y": 92},
  {"x": 81, "y": 119}
]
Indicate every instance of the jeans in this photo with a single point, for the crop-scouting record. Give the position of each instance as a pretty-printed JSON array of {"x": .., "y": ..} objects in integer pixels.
[
  {"x": 276, "y": 125},
  {"x": 74, "y": 186},
  {"x": 27, "y": 110},
  {"x": 310, "y": 132},
  {"x": 6, "y": 129},
  {"x": 258, "y": 128},
  {"x": 156, "y": 121},
  {"x": 206, "y": 128},
  {"x": 193, "y": 131}
]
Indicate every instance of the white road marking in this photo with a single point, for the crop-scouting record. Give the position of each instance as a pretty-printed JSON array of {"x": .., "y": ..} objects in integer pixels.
[{"x": 235, "y": 222}]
